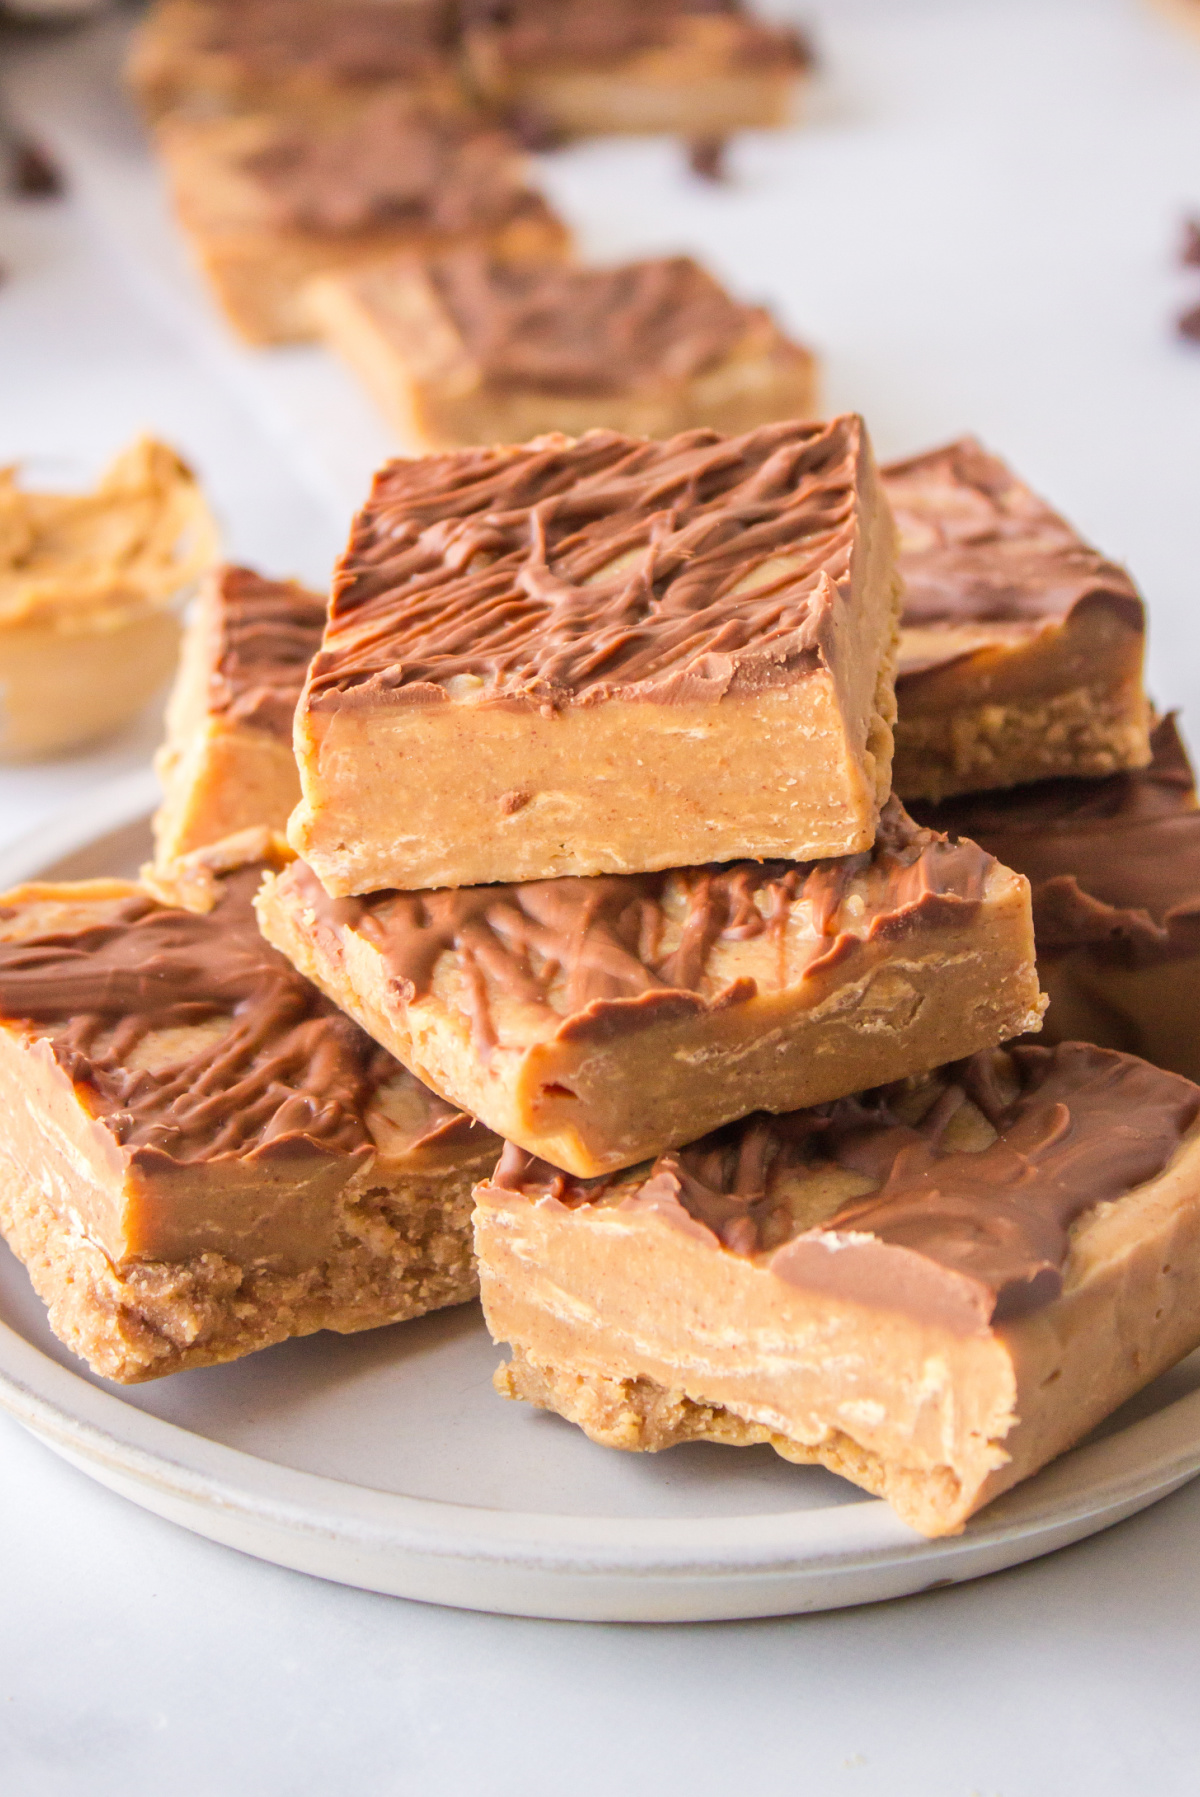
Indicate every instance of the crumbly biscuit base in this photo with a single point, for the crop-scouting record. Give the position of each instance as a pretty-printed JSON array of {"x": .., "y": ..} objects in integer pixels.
[
  {"x": 403, "y": 1250},
  {"x": 1087, "y": 730}
]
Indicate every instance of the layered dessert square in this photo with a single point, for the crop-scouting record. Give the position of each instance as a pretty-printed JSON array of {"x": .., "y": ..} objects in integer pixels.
[
  {"x": 599, "y": 1021},
  {"x": 1021, "y": 650},
  {"x": 91, "y": 587},
  {"x": 227, "y": 763},
  {"x": 931, "y": 1289},
  {"x": 269, "y": 200},
  {"x": 465, "y": 348},
  {"x": 603, "y": 655},
  {"x": 234, "y": 55},
  {"x": 199, "y": 1155},
  {"x": 573, "y": 68},
  {"x": 1115, "y": 870}
]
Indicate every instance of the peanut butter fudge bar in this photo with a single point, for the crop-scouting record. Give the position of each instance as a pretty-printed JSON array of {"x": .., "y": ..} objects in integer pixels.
[
  {"x": 603, "y": 655},
  {"x": 1021, "y": 651},
  {"x": 268, "y": 201},
  {"x": 465, "y": 348},
  {"x": 234, "y": 55},
  {"x": 570, "y": 68},
  {"x": 90, "y": 589},
  {"x": 931, "y": 1289},
  {"x": 1115, "y": 870},
  {"x": 227, "y": 763},
  {"x": 198, "y": 1155},
  {"x": 598, "y": 1021}
]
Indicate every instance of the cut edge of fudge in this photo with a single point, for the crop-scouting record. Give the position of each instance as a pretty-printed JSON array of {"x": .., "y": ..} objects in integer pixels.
[
  {"x": 543, "y": 1010},
  {"x": 614, "y": 634},
  {"x": 933, "y": 1342},
  {"x": 162, "y": 1232}
]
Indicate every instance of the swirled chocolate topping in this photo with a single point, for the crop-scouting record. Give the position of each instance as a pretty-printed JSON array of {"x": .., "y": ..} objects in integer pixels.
[
  {"x": 1113, "y": 863},
  {"x": 532, "y": 33},
  {"x": 352, "y": 40},
  {"x": 557, "y": 329},
  {"x": 976, "y": 547},
  {"x": 268, "y": 632},
  {"x": 562, "y": 570},
  {"x": 963, "y": 1238},
  {"x": 393, "y": 164},
  {"x": 289, "y": 1075},
  {"x": 595, "y": 956}
]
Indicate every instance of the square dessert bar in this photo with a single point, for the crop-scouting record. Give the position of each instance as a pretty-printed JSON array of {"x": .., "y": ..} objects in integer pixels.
[
  {"x": 227, "y": 762},
  {"x": 230, "y": 55},
  {"x": 268, "y": 200},
  {"x": 571, "y": 68},
  {"x": 91, "y": 587},
  {"x": 198, "y": 1155},
  {"x": 1115, "y": 870},
  {"x": 1021, "y": 649},
  {"x": 465, "y": 348},
  {"x": 931, "y": 1289},
  {"x": 604, "y": 655},
  {"x": 599, "y": 1021}
]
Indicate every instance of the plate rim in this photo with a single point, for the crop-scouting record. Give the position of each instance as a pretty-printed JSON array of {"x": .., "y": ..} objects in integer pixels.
[{"x": 198, "y": 1480}]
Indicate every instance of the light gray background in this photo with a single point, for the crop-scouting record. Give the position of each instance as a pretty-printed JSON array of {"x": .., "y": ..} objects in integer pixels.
[{"x": 976, "y": 229}]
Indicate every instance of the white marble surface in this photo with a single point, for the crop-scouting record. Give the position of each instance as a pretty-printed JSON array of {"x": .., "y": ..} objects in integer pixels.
[{"x": 977, "y": 229}]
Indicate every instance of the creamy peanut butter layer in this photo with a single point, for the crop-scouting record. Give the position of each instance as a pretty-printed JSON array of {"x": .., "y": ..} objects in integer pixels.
[
  {"x": 226, "y": 55},
  {"x": 603, "y": 655},
  {"x": 198, "y": 1154},
  {"x": 1021, "y": 648},
  {"x": 90, "y": 589},
  {"x": 466, "y": 348},
  {"x": 227, "y": 763},
  {"x": 599, "y": 1021},
  {"x": 269, "y": 200},
  {"x": 1115, "y": 871},
  {"x": 575, "y": 68},
  {"x": 931, "y": 1289}
]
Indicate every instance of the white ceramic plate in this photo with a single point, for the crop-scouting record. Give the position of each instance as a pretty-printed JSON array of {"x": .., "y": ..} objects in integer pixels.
[{"x": 386, "y": 1461}]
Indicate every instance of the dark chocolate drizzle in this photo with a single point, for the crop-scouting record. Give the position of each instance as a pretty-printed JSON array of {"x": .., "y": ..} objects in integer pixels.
[
  {"x": 354, "y": 41},
  {"x": 529, "y": 34},
  {"x": 267, "y": 633},
  {"x": 589, "y": 955},
  {"x": 291, "y": 1076},
  {"x": 563, "y": 570},
  {"x": 976, "y": 546},
  {"x": 1113, "y": 863},
  {"x": 551, "y": 328},
  {"x": 969, "y": 1239},
  {"x": 393, "y": 164}
]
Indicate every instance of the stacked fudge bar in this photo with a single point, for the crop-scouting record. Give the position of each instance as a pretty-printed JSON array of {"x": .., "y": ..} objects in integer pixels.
[
  {"x": 596, "y": 839},
  {"x": 597, "y": 847}
]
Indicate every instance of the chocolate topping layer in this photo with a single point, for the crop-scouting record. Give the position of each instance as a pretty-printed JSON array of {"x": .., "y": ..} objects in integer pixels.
[
  {"x": 290, "y": 1076},
  {"x": 608, "y": 566},
  {"x": 598, "y": 956},
  {"x": 551, "y": 328},
  {"x": 269, "y": 631},
  {"x": 533, "y": 33},
  {"x": 350, "y": 40},
  {"x": 394, "y": 164},
  {"x": 976, "y": 546},
  {"x": 1113, "y": 863},
  {"x": 963, "y": 1238}
]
